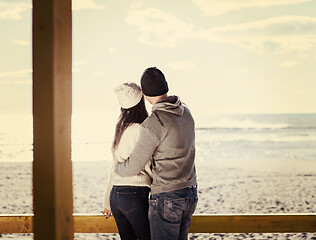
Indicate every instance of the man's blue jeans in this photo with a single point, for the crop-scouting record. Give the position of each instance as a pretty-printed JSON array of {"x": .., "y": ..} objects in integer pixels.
[{"x": 170, "y": 213}]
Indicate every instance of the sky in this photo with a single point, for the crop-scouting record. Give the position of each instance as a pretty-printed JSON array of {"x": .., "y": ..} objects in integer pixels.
[{"x": 219, "y": 56}]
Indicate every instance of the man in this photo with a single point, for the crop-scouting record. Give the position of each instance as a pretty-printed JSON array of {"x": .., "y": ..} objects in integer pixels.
[{"x": 168, "y": 138}]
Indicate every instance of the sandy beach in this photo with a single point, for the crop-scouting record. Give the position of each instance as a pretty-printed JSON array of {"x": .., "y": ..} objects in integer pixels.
[{"x": 224, "y": 187}]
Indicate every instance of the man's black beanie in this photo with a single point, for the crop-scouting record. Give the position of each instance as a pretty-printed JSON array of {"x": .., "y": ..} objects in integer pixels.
[{"x": 153, "y": 82}]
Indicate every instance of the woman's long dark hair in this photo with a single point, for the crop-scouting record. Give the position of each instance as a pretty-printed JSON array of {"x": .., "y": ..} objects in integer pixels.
[{"x": 136, "y": 114}]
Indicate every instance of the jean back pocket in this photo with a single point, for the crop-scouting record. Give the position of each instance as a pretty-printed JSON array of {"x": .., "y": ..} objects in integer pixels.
[{"x": 126, "y": 201}]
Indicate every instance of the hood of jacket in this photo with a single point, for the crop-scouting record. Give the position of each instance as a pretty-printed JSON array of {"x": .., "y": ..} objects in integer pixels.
[{"x": 170, "y": 104}]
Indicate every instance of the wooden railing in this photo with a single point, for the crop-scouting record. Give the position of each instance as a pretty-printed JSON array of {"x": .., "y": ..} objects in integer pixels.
[{"x": 243, "y": 223}]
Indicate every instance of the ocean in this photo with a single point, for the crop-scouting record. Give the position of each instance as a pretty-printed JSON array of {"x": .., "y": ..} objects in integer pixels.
[
  {"x": 218, "y": 137},
  {"x": 257, "y": 137}
]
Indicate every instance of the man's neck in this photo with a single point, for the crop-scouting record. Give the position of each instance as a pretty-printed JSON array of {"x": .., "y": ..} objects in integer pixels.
[{"x": 156, "y": 99}]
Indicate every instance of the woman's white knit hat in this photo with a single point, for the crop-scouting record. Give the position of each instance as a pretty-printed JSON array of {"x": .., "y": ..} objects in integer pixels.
[{"x": 128, "y": 94}]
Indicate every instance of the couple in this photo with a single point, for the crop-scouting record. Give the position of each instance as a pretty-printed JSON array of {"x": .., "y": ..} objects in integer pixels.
[{"x": 151, "y": 190}]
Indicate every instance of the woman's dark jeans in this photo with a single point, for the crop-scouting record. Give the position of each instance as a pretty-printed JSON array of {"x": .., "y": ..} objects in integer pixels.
[{"x": 129, "y": 206}]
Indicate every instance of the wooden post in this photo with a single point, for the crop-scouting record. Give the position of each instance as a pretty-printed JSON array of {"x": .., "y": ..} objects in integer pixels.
[{"x": 52, "y": 106}]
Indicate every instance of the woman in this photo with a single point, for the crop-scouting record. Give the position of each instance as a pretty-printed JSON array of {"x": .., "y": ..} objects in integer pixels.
[{"x": 128, "y": 199}]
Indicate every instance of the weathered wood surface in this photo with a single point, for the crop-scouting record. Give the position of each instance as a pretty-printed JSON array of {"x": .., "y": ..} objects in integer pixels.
[
  {"x": 94, "y": 224},
  {"x": 52, "y": 107},
  {"x": 278, "y": 223},
  {"x": 244, "y": 223},
  {"x": 16, "y": 223}
]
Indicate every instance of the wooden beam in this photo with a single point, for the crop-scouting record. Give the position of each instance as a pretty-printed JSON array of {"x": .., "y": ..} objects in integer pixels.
[
  {"x": 94, "y": 224},
  {"x": 244, "y": 223},
  {"x": 261, "y": 223},
  {"x": 16, "y": 223},
  {"x": 52, "y": 106}
]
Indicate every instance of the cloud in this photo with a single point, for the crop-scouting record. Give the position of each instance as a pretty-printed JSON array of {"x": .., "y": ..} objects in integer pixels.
[
  {"x": 16, "y": 74},
  {"x": 275, "y": 25},
  {"x": 277, "y": 35},
  {"x": 158, "y": 28},
  {"x": 137, "y": 4},
  {"x": 288, "y": 64},
  {"x": 22, "y": 42},
  {"x": 181, "y": 66},
  {"x": 220, "y": 7},
  {"x": 13, "y": 10},
  {"x": 20, "y": 77},
  {"x": 85, "y": 4}
]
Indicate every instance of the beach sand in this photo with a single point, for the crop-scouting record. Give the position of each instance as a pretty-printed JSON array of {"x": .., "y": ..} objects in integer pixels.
[{"x": 224, "y": 188}]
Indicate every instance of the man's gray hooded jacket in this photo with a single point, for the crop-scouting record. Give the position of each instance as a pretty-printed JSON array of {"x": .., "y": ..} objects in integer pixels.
[{"x": 168, "y": 138}]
